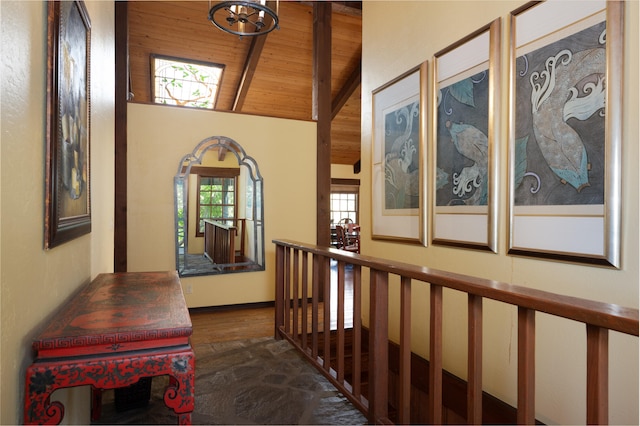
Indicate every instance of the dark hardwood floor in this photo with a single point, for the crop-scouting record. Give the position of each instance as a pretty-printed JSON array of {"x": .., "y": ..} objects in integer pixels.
[
  {"x": 214, "y": 326},
  {"x": 222, "y": 325}
]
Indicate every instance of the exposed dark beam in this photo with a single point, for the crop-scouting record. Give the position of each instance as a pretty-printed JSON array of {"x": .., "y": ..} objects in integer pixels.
[
  {"x": 346, "y": 91},
  {"x": 253, "y": 57},
  {"x": 322, "y": 114},
  {"x": 120, "y": 165}
]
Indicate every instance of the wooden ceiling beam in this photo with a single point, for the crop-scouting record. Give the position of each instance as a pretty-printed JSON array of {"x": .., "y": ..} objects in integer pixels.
[
  {"x": 347, "y": 7},
  {"x": 347, "y": 90},
  {"x": 353, "y": 8},
  {"x": 249, "y": 69},
  {"x": 250, "y": 65},
  {"x": 222, "y": 153}
]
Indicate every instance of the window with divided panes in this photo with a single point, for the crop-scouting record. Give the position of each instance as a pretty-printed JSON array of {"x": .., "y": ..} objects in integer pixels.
[
  {"x": 217, "y": 199},
  {"x": 344, "y": 200}
]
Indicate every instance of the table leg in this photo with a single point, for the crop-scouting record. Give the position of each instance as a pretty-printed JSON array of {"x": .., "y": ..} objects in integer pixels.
[
  {"x": 109, "y": 372},
  {"x": 96, "y": 403}
]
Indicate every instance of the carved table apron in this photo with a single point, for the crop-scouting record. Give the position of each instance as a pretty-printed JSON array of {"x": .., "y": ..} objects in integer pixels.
[{"x": 119, "y": 328}]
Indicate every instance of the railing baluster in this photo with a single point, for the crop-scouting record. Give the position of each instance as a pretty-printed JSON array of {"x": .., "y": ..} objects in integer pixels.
[
  {"x": 305, "y": 296},
  {"x": 526, "y": 366},
  {"x": 597, "y": 375},
  {"x": 378, "y": 347},
  {"x": 315, "y": 291},
  {"x": 296, "y": 298},
  {"x": 340, "y": 325},
  {"x": 279, "y": 320},
  {"x": 357, "y": 331},
  {"x": 474, "y": 367},
  {"x": 435, "y": 356},
  {"x": 326, "y": 332},
  {"x": 404, "y": 403},
  {"x": 287, "y": 292}
]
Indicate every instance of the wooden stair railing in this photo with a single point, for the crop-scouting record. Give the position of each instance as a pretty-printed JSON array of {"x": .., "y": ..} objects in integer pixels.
[
  {"x": 219, "y": 242},
  {"x": 293, "y": 316}
]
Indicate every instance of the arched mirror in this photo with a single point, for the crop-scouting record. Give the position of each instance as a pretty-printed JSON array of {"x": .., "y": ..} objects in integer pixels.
[{"x": 218, "y": 210}]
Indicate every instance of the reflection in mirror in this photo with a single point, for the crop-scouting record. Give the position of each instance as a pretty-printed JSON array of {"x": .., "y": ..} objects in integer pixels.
[{"x": 218, "y": 210}]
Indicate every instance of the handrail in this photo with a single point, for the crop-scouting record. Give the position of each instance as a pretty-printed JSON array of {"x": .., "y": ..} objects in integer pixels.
[
  {"x": 599, "y": 318},
  {"x": 606, "y": 315}
]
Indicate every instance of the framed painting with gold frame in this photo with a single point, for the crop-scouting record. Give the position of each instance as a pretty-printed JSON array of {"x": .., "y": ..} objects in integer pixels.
[
  {"x": 465, "y": 132},
  {"x": 67, "y": 193},
  {"x": 565, "y": 131},
  {"x": 398, "y": 151}
]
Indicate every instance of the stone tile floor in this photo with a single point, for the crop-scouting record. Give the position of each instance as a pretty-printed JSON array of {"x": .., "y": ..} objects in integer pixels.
[{"x": 256, "y": 381}]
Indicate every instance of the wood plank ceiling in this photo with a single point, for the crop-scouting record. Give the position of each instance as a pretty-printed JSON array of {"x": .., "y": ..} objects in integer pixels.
[{"x": 275, "y": 80}]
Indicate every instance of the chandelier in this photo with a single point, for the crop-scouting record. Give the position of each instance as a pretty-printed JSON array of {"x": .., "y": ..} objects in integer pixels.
[{"x": 244, "y": 17}]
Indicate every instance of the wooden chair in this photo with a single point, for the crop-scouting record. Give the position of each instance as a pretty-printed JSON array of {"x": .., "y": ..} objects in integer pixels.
[
  {"x": 346, "y": 222},
  {"x": 346, "y": 243}
]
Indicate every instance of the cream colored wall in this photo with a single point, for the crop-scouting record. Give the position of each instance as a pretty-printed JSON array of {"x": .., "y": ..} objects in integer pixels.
[
  {"x": 388, "y": 51},
  {"x": 159, "y": 136},
  {"x": 35, "y": 282},
  {"x": 344, "y": 171}
]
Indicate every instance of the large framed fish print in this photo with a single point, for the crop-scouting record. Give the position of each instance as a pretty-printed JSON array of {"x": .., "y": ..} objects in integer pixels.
[
  {"x": 466, "y": 141},
  {"x": 398, "y": 151},
  {"x": 565, "y": 131}
]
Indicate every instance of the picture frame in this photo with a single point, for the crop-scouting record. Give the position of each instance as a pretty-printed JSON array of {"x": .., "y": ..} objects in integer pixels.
[
  {"x": 67, "y": 168},
  {"x": 398, "y": 158},
  {"x": 466, "y": 141},
  {"x": 565, "y": 131}
]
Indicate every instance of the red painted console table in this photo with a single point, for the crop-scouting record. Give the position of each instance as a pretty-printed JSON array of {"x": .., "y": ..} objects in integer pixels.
[{"x": 119, "y": 328}]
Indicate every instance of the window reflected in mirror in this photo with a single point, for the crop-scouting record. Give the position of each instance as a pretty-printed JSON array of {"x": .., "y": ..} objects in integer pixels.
[{"x": 218, "y": 210}]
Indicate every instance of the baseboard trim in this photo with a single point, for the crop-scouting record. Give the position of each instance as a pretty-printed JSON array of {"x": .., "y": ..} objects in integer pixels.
[
  {"x": 222, "y": 308},
  {"x": 454, "y": 390}
]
